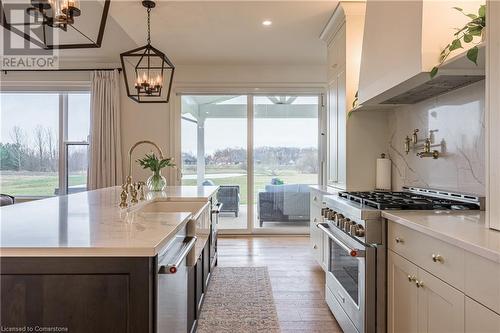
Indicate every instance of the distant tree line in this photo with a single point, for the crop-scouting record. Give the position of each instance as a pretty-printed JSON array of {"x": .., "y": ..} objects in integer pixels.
[
  {"x": 38, "y": 152},
  {"x": 304, "y": 160}
]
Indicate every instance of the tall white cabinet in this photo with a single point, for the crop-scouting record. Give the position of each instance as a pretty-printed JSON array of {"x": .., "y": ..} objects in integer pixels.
[
  {"x": 493, "y": 113},
  {"x": 354, "y": 141}
]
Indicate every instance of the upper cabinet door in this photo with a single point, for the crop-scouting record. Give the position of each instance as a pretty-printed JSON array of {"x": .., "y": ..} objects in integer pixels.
[
  {"x": 493, "y": 113},
  {"x": 402, "y": 295},
  {"x": 440, "y": 306}
]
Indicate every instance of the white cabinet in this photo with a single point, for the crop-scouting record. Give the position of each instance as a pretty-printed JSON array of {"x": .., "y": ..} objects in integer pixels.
[
  {"x": 401, "y": 294},
  {"x": 349, "y": 135},
  {"x": 480, "y": 319},
  {"x": 420, "y": 302},
  {"x": 316, "y": 236},
  {"x": 440, "y": 306},
  {"x": 436, "y": 287},
  {"x": 493, "y": 113}
]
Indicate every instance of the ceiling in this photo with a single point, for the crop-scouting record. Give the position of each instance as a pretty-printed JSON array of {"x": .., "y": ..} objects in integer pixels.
[{"x": 218, "y": 33}]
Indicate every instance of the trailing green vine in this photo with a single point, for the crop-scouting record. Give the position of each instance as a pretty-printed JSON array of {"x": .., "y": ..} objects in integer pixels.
[{"x": 472, "y": 29}]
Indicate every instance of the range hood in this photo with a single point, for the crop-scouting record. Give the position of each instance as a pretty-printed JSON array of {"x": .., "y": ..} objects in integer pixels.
[{"x": 402, "y": 43}]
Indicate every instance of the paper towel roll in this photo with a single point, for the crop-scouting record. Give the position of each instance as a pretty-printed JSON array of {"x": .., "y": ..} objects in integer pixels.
[{"x": 383, "y": 178}]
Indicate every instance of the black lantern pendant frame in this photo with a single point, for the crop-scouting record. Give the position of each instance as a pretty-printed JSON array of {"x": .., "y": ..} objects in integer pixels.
[
  {"x": 140, "y": 93},
  {"x": 47, "y": 23}
]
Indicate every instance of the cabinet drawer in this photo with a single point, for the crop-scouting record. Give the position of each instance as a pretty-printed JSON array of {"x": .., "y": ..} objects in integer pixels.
[
  {"x": 482, "y": 281},
  {"x": 479, "y": 318},
  {"x": 437, "y": 257}
]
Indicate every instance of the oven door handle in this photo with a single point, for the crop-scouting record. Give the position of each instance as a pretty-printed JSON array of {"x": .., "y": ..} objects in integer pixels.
[
  {"x": 352, "y": 252},
  {"x": 171, "y": 268}
]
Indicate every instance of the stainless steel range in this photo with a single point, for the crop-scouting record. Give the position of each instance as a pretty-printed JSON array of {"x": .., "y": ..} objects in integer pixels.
[{"x": 355, "y": 281}]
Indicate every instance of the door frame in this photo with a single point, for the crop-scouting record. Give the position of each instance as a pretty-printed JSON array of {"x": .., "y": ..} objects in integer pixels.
[{"x": 175, "y": 144}]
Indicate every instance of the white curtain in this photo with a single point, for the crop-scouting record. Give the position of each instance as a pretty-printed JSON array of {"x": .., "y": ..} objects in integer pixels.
[{"x": 105, "y": 168}]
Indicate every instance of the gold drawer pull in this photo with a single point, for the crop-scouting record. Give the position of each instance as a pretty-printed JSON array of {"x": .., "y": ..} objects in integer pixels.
[
  {"x": 399, "y": 240},
  {"x": 437, "y": 258},
  {"x": 419, "y": 284},
  {"x": 412, "y": 278}
]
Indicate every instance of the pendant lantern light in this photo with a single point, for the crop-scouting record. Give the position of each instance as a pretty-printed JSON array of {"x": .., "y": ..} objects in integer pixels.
[
  {"x": 147, "y": 71},
  {"x": 56, "y": 24}
]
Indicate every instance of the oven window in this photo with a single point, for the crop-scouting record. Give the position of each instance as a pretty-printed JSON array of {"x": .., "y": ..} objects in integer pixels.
[{"x": 345, "y": 269}]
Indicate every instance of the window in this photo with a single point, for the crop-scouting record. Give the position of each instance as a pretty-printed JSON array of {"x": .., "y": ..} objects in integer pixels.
[{"x": 44, "y": 142}]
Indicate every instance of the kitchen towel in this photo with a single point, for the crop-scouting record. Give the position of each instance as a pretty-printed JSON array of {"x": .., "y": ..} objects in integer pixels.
[{"x": 383, "y": 177}]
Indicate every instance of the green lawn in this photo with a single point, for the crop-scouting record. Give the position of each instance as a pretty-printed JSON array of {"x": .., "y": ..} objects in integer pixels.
[
  {"x": 261, "y": 180},
  {"x": 44, "y": 183},
  {"x": 34, "y": 184}
]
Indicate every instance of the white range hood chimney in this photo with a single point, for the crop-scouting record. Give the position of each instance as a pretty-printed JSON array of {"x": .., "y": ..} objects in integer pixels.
[{"x": 402, "y": 43}]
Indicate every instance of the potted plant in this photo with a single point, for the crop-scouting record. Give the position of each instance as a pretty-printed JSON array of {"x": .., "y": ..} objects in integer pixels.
[
  {"x": 156, "y": 182},
  {"x": 474, "y": 28}
]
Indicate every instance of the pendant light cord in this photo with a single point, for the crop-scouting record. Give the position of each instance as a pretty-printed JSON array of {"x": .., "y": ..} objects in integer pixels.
[{"x": 149, "y": 25}]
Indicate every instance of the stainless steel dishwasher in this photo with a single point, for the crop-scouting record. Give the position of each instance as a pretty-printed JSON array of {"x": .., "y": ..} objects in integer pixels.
[{"x": 172, "y": 285}]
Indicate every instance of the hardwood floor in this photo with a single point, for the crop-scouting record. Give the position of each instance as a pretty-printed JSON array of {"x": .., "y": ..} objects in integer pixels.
[{"x": 298, "y": 282}]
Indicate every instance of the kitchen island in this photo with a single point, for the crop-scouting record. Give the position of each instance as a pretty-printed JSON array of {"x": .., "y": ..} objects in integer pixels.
[{"x": 79, "y": 263}]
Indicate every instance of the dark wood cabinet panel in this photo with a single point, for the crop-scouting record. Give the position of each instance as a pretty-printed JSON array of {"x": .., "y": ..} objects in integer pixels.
[
  {"x": 206, "y": 266},
  {"x": 192, "y": 304},
  {"x": 199, "y": 283},
  {"x": 82, "y": 303},
  {"x": 81, "y": 294}
]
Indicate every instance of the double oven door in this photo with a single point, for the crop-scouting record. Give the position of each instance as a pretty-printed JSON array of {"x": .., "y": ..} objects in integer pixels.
[{"x": 351, "y": 278}]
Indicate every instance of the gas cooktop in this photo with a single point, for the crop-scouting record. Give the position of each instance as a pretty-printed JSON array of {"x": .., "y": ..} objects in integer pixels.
[{"x": 406, "y": 201}]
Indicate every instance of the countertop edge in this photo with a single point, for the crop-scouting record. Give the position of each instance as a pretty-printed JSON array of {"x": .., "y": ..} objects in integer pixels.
[
  {"x": 473, "y": 248},
  {"x": 94, "y": 251}
]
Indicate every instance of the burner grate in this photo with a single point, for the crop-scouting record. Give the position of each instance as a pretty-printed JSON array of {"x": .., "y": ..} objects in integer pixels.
[{"x": 405, "y": 201}]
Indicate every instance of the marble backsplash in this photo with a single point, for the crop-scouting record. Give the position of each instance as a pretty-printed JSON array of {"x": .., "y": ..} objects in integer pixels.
[{"x": 455, "y": 122}]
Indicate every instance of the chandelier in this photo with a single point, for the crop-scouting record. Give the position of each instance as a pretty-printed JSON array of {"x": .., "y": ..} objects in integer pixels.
[
  {"x": 147, "y": 71},
  {"x": 55, "y": 13},
  {"x": 42, "y": 18}
]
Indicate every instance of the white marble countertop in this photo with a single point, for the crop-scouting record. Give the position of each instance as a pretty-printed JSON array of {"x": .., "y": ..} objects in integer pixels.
[
  {"x": 466, "y": 230},
  {"x": 91, "y": 224},
  {"x": 325, "y": 189}
]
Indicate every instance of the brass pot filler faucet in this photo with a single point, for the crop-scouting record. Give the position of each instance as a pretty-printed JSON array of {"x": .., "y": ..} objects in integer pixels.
[{"x": 426, "y": 151}]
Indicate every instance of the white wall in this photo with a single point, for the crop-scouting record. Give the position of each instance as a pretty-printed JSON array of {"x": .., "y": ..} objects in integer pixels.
[{"x": 153, "y": 121}]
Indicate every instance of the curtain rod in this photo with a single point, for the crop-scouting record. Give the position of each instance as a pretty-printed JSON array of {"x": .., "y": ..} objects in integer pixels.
[{"x": 61, "y": 70}]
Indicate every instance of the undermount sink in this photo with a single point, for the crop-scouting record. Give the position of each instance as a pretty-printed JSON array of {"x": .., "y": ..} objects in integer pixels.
[{"x": 198, "y": 225}]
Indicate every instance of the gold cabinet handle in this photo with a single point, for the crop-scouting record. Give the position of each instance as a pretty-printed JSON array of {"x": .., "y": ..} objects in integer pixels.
[
  {"x": 437, "y": 258},
  {"x": 399, "y": 240},
  {"x": 412, "y": 278},
  {"x": 315, "y": 246},
  {"x": 419, "y": 284}
]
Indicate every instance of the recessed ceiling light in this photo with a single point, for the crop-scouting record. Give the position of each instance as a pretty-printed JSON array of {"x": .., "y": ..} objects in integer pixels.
[{"x": 267, "y": 23}]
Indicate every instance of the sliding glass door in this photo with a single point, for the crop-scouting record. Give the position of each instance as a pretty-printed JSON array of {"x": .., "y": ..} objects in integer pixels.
[
  {"x": 261, "y": 150},
  {"x": 285, "y": 153},
  {"x": 214, "y": 151}
]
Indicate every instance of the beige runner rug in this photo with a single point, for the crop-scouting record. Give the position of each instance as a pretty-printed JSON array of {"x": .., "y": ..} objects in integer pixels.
[{"x": 239, "y": 299}]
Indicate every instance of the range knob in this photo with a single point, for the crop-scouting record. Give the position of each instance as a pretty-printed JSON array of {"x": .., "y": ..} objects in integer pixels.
[
  {"x": 353, "y": 228},
  {"x": 347, "y": 225},
  {"x": 324, "y": 212},
  {"x": 332, "y": 214},
  {"x": 360, "y": 231}
]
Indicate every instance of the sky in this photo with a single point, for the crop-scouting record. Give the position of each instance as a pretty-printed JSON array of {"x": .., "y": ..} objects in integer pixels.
[
  {"x": 31, "y": 110},
  {"x": 232, "y": 132}
]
